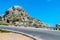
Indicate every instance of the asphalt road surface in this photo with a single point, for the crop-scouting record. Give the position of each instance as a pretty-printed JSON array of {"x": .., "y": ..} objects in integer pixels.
[{"x": 43, "y": 34}]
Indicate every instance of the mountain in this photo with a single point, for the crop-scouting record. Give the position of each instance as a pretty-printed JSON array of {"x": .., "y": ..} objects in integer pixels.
[{"x": 16, "y": 15}]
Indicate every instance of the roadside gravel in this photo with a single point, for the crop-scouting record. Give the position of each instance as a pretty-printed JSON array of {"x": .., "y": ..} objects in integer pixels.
[{"x": 13, "y": 36}]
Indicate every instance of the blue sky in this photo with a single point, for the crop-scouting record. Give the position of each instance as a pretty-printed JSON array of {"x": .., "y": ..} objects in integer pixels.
[{"x": 48, "y": 11}]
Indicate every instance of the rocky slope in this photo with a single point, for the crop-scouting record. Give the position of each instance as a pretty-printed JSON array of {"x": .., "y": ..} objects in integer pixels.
[{"x": 18, "y": 16}]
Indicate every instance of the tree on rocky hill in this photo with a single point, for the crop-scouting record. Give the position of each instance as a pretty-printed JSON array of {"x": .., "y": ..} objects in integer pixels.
[{"x": 0, "y": 18}]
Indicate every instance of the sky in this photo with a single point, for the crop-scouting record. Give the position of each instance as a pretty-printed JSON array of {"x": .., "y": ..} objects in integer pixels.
[{"x": 48, "y": 11}]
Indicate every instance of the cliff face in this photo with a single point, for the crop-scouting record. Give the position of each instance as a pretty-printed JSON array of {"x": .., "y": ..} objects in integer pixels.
[{"x": 17, "y": 16}]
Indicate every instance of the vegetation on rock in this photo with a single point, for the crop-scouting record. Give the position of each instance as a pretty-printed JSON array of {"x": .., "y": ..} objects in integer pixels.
[{"x": 16, "y": 15}]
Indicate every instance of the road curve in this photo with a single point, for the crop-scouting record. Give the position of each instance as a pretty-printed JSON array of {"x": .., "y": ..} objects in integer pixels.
[{"x": 43, "y": 34}]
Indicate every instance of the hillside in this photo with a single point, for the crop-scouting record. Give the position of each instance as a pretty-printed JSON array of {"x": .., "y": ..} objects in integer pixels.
[{"x": 16, "y": 15}]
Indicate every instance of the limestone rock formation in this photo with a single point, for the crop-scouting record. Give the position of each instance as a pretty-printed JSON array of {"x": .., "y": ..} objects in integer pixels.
[{"x": 16, "y": 15}]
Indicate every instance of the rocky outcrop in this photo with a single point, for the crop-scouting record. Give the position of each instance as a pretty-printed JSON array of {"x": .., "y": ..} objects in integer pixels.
[
  {"x": 16, "y": 15},
  {"x": 0, "y": 18},
  {"x": 57, "y": 25}
]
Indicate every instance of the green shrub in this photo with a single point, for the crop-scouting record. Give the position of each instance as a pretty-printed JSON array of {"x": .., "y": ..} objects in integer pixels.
[
  {"x": 4, "y": 31},
  {"x": 59, "y": 28},
  {"x": 3, "y": 23}
]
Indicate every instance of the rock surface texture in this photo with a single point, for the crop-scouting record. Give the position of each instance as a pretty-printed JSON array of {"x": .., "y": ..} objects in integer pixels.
[{"x": 16, "y": 15}]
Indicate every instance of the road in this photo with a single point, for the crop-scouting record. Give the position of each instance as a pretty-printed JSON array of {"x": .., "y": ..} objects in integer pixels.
[{"x": 43, "y": 34}]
